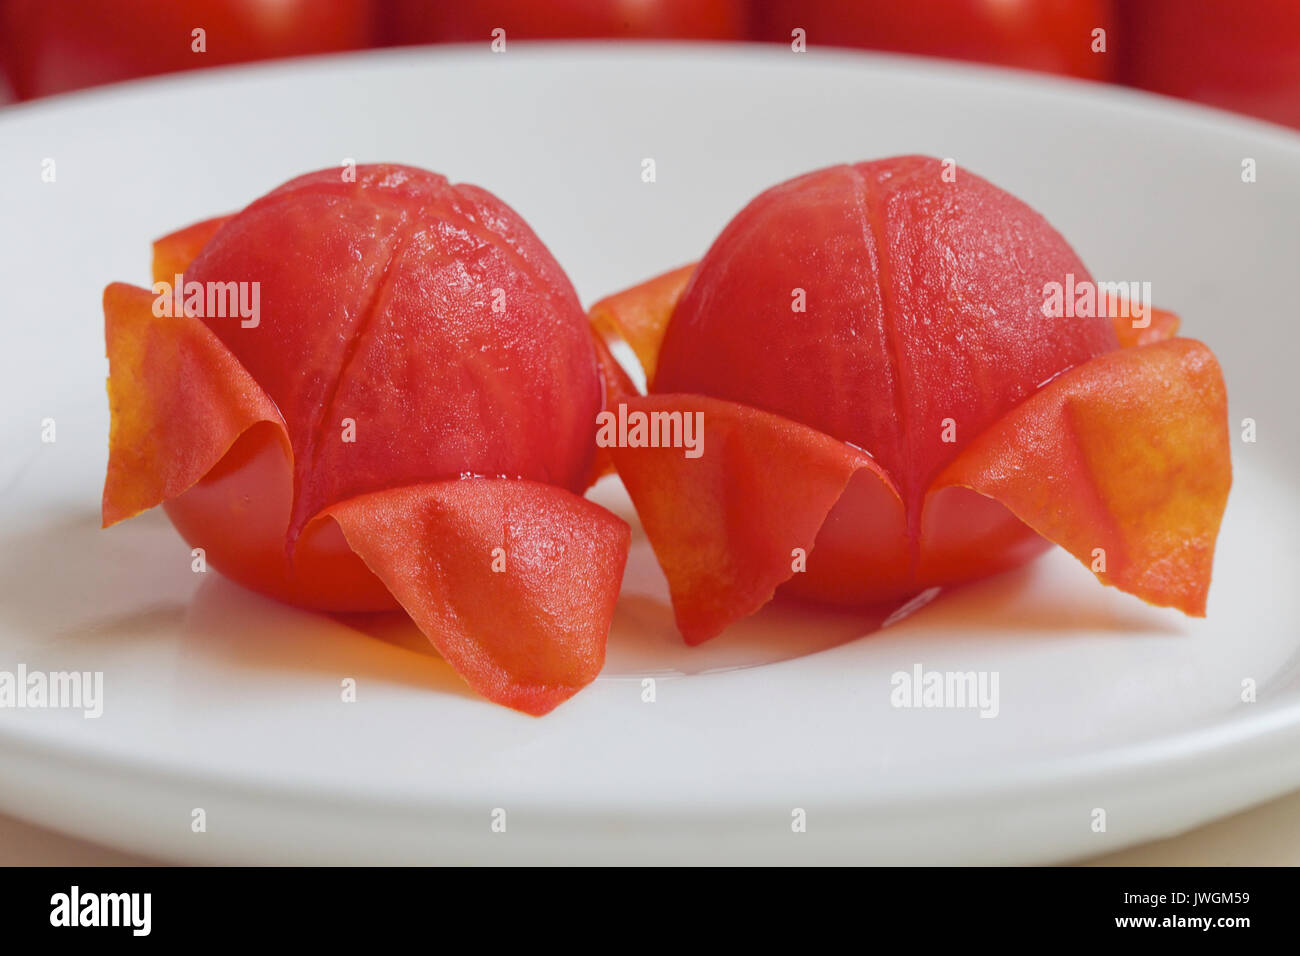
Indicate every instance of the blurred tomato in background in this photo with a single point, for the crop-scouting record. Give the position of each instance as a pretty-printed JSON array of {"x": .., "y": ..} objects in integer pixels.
[
  {"x": 1241, "y": 55},
  {"x": 1055, "y": 36},
  {"x": 50, "y": 46},
  {"x": 432, "y": 21}
]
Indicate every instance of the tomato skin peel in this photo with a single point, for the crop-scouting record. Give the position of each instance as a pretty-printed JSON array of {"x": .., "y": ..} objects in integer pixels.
[
  {"x": 1110, "y": 439},
  {"x": 529, "y": 635},
  {"x": 177, "y": 401},
  {"x": 1127, "y": 456},
  {"x": 725, "y": 526},
  {"x": 460, "y": 500}
]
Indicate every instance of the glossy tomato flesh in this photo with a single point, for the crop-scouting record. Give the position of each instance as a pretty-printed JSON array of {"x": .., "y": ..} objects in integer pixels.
[
  {"x": 899, "y": 310},
  {"x": 408, "y": 331}
]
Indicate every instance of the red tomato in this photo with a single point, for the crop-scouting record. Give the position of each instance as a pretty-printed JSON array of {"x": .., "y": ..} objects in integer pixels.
[
  {"x": 418, "y": 21},
  {"x": 1237, "y": 56},
  {"x": 899, "y": 313},
  {"x": 1055, "y": 36},
  {"x": 874, "y": 302},
  {"x": 427, "y": 317},
  {"x": 52, "y": 47},
  {"x": 435, "y": 294}
]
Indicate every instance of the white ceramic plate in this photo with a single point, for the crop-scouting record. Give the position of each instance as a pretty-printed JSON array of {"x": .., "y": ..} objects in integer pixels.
[{"x": 218, "y": 699}]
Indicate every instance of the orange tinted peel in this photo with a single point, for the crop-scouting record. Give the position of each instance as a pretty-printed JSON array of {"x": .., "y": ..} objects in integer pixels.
[
  {"x": 724, "y": 526},
  {"x": 1128, "y": 454}
]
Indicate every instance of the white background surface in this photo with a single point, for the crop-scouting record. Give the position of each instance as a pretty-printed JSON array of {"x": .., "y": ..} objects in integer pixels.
[{"x": 220, "y": 699}]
